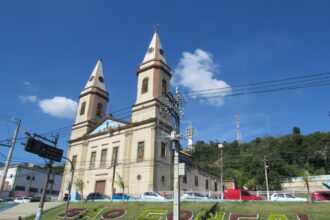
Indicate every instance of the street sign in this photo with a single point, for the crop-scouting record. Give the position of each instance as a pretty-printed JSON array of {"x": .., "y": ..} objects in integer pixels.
[
  {"x": 182, "y": 169},
  {"x": 43, "y": 150}
]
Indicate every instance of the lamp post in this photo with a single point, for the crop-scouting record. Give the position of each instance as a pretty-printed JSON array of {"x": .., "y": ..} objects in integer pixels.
[{"x": 220, "y": 146}]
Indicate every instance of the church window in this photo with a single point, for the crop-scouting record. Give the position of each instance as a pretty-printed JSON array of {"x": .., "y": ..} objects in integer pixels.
[
  {"x": 145, "y": 82},
  {"x": 114, "y": 156},
  {"x": 163, "y": 150},
  {"x": 82, "y": 108},
  {"x": 103, "y": 157},
  {"x": 164, "y": 87},
  {"x": 99, "y": 109},
  {"x": 101, "y": 79},
  {"x": 196, "y": 180},
  {"x": 206, "y": 184},
  {"x": 215, "y": 186},
  {"x": 163, "y": 179},
  {"x": 140, "y": 151},
  {"x": 92, "y": 160}
]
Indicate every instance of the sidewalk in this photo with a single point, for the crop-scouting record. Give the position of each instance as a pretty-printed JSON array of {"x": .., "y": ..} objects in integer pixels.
[{"x": 26, "y": 209}]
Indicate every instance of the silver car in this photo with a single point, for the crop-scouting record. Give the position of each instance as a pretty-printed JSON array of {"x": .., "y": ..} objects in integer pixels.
[
  {"x": 193, "y": 196},
  {"x": 286, "y": 198}
]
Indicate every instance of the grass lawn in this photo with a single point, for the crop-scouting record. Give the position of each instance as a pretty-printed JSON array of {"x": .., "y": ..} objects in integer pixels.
[{"x": 317, "y": 211}]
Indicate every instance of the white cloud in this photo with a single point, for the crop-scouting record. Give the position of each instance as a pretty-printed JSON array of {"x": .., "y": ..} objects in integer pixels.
[
  {"x": 196, "y": 71},
  {"x": 29, "y": 98},
  {"x": 60, "y": 107}
]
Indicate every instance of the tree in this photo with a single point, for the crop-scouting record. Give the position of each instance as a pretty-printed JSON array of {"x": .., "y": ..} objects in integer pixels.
[
  {"x": 120, "y": 182},
  {"x": 80, "y": 185},
  {"x": 306, "y": 180}
]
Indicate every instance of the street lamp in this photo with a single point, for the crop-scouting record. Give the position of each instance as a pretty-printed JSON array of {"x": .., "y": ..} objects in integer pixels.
[{"x": 220, "y": 146}]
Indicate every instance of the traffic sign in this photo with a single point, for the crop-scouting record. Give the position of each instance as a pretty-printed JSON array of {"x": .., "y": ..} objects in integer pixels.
[{"x": 43, "y": 150}]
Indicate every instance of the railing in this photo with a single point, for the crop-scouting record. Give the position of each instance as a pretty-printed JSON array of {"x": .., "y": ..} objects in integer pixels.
[{"x": 311, "y": 178}]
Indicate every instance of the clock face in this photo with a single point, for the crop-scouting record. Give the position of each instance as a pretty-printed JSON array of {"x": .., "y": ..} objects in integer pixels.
[{"x": 151, "y": 49}]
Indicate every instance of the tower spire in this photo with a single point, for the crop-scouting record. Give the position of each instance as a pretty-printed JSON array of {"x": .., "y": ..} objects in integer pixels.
[
  {"x": 97, "y": 79},
  {"x": 155, "y": 50}
]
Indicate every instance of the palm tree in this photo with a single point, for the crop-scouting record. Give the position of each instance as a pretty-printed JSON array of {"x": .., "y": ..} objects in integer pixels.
[
  {"x": 80, "y": 185},
  {"x": 120, "y": 182},
  {"x": 306, "y": 180}
]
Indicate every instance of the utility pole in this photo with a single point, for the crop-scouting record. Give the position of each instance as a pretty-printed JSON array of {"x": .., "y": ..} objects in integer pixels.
[
  {"x": 220, "y": 146},
  {"x": 266, "y": 176},
  {"x": 44, "y": 189},
  {"x": 174, "y": 110},
  {"x": 10, "y": 153},
  {"x": 70, "y": 186},
  {"x": 113, "y": 179}
]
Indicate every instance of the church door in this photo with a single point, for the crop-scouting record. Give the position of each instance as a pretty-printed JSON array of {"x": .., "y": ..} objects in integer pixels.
[{"x": 100, "y": 186}]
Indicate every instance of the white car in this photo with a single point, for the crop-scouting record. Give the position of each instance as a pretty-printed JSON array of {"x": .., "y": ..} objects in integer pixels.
[
  {"x": 22, "y": 200},
  {"x": 151, "y": 196},
  {"x": 193, "y": 196},
  {"x": 286, "y": 198}
]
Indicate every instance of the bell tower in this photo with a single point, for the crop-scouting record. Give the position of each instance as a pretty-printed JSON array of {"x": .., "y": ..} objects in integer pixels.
[
  {"x": 154, "y": 77},
  {"x": 93, "y": 100}
]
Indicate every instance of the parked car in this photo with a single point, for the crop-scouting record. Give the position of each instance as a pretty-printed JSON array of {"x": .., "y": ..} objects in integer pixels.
[
  {"x": 193, "y": 196},
  {"x": 321, "y": 196},
  {"x": 151, "y": 196},
  {"x": 22, "y": 200},
  {"x": 35, "y": 199},
  {"x": 97, "y": 197},
  {"x": 122, "y": 196},
  {"x": 286, "y": 198},
  {"x": 240, "y": 194}
]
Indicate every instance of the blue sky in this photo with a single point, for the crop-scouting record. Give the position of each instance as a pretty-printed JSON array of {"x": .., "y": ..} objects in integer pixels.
[{"x": 49, "y": 48}]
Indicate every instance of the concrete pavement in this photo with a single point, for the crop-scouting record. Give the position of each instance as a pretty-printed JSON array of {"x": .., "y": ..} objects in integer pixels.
[{"x": 26, "y": 209}]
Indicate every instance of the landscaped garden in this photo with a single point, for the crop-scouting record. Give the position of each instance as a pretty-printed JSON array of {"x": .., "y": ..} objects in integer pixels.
[{"x": 145, "y": 210}]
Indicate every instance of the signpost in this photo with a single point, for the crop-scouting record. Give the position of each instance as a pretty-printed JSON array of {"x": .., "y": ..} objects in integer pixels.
[{"x": 46, "y": 151}]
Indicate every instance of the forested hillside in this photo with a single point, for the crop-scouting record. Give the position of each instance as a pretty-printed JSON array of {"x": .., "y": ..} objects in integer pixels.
[{"x": 286, "y": 156}]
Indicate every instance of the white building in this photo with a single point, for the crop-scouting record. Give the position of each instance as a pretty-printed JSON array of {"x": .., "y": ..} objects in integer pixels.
[
  {"x": 25, "y": 179},
  {"x": 103, "y": 147}
]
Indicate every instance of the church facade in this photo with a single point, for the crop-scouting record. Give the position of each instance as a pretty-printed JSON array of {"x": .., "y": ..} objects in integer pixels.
[{"x": 106, "y": 150}]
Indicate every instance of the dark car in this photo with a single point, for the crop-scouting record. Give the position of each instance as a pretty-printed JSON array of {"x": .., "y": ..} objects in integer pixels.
[
  {"x": 97, "y": 197},
  {"x": 35, "y": 199},
  {"x": 321, "y": 196},
  {"x": 122, "y": 196}
]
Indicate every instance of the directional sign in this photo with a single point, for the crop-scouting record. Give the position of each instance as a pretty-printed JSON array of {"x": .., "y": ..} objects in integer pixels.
[{"x": 43, "y": 150}]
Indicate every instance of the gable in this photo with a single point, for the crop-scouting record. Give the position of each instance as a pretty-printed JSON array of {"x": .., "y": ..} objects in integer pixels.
[{"x": 106, "y": 125}]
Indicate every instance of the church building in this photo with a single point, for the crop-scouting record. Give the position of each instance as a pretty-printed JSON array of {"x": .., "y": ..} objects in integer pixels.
[{"x": 105, "y": 150}]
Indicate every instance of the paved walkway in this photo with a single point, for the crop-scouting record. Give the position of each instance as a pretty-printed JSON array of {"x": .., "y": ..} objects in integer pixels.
[{"x": 26, "y": 209}]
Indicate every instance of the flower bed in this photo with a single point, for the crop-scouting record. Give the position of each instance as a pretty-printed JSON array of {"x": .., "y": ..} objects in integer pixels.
[
  {"x": 73, "y": 212},
  {"x": 114, "y": 213},
  {"x": 184, "y": 215}
]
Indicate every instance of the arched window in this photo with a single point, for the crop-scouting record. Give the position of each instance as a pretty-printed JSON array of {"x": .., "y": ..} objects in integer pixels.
[
  {"x": 164, "y": 87},
  {"x": 145, "y": 82},
  {"x": 163, "y": 179},
  {"x": 99, "y": 110},
  {"x": 82, "y": 108}
]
